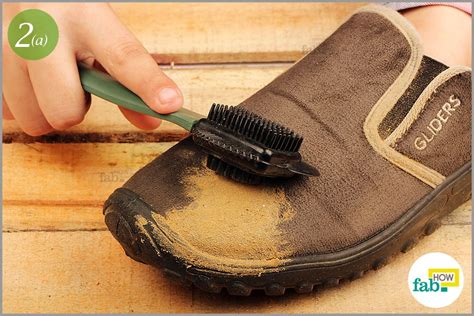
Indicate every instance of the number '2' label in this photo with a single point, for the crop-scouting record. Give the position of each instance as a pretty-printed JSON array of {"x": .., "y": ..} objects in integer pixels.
[{"x": 33, "y": 34}]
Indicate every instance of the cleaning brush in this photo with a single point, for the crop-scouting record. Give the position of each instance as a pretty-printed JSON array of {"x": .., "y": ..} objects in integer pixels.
[{"x": 240, "y": 144}]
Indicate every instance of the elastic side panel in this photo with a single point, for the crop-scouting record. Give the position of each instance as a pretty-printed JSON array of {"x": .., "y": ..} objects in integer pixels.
[{"x": 440, "y": 137}]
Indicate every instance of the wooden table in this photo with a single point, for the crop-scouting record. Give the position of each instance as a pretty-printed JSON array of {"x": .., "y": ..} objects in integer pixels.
[{"x": 57, "y": 253}]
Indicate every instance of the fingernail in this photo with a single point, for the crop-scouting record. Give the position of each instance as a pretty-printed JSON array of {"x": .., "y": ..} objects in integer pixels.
[{"x": 169, "y": 100}]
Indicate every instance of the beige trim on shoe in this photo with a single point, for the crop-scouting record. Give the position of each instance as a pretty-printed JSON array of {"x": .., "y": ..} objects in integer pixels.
[
  {"x": 420, "y": 103},
  {"x": 390, "y": 98}
]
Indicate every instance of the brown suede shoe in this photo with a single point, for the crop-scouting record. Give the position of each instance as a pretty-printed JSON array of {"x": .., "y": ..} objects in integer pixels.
[{"x": 390, "y": 132}]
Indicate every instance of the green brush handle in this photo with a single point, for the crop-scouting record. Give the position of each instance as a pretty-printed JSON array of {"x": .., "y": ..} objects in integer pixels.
[{"x": 104, "y": 86}]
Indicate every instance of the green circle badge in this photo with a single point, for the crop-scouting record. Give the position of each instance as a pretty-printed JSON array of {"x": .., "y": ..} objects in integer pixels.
[{"x": 33, "y": 34}]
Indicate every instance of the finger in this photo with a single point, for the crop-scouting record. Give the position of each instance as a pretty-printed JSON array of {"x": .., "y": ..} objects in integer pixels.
[
  {"x": 20, "y": 97},
  {"x": 58, "y": 89},
  {"x": 124, "y": 57},
  {"x": 7, "y": 114},
  {"x": 141, "y": 121}
]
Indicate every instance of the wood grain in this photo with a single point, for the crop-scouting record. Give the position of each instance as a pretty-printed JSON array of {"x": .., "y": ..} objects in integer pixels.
[
  {"x": 58, "y": 255},
  {"x": 232, "y": 32},
  {"x": 25, "y": 216},
  {"x": 87, "y": 272},
  {"x": 71, "y": 174}
]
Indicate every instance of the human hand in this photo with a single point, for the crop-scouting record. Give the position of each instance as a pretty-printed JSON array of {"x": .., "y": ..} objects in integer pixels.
[{"x": 45, "y": 95}]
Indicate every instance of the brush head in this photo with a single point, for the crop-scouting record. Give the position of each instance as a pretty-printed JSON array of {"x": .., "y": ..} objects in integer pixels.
[{"x": 246, "y": 147}]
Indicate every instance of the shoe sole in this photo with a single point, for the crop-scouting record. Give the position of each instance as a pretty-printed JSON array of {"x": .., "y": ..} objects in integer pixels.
[{"x": 301, "y": 274}]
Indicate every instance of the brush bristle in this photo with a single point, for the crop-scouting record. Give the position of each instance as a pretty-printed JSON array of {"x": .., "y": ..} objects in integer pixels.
[
  {"x": 224, "y": 169},
  {"x": 265, "y": 132}
]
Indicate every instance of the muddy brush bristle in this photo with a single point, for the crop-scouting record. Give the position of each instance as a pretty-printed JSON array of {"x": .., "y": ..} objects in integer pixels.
[{"x": 262, "y": 131}]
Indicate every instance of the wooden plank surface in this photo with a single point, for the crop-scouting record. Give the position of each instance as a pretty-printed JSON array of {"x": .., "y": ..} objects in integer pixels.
[
  {"x": 70, "y": 174},
  {"x": 232, "y": 32},
  {"x": 57, "y": 253}
]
